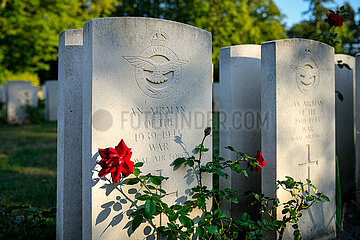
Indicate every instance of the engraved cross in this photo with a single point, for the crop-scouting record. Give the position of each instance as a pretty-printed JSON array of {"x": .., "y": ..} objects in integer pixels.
[{"x": 309, "y": 163}]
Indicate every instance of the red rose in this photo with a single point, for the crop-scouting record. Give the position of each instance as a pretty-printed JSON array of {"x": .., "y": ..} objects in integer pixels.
[
  {"x": 116, "y": 161},
  {"x": 334, "y": 19},
  {"x": 260, "y": 160}
]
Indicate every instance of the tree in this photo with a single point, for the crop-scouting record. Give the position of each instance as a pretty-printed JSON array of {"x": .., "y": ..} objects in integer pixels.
[
  {"x": 313, "y": 28},
  {"x": 29, "y": 31},
  {"x": 29, "y": 28}
]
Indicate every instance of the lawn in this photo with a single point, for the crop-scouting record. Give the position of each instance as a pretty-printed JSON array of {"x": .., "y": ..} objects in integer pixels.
[{"x": 28, "y": 165}]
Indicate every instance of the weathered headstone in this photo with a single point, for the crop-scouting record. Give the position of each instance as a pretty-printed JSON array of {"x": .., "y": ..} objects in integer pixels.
[
  {"x": 240, "y": 116},
  {"x": 216, "y": 96},
  {"x": 345, "y": 123},
  {"x": 51, "y": 100},
  {"x": 147, "y": 81},
  {"x": 357, "y": 114},
  {"x": 298, "y": 90},
  {"x": 69, "y": 210},
  {"x": 19, "y": 94}
]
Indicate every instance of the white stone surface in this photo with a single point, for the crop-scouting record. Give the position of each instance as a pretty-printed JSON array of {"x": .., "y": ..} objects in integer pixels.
[
  {"x": 298, "y": 85},
  {"x": 357, "y": 117},
  {"x": 345, "y": 123},
  {"x": 69, "y": 161},
  {"x": 240, "y": 116},
  {"x": 216, "y": 96},
  {"x": 51, "y": 100},
  {"x": 129, "y": 95},
  {"x": 18, "y": 95}
]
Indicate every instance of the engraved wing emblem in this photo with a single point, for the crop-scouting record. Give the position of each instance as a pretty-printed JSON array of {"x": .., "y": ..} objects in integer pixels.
[
  {"x": 158, "y": 70},
  {"x": 307, "y": 76}
]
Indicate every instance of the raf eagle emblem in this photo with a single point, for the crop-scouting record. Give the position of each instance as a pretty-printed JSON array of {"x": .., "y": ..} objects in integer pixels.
[{"x": 158, "y": 70}]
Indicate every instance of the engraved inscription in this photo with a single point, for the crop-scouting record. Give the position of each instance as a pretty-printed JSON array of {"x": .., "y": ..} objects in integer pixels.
[{"x": 307, "y": 119}]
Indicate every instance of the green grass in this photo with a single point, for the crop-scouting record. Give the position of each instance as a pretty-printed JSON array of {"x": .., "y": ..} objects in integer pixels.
[{"x": 28, "y": 165}]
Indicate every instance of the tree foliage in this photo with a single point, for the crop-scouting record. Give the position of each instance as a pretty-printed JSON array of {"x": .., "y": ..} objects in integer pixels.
[
  {"x": 29, "y": 28},
  {"x": 29, "y": 31},
  {"x": 348, "y": 34}
]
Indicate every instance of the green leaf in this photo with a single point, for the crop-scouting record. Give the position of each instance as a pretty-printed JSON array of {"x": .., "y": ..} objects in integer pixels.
[
  {"x": 150, "y": 209},
  {"x": 178, "y": 162},
  {"x": 200, "y": 202},
  {"x": 136, "y": 172},
  {"x": 190, "y": 162},
  {"x": 186, "y": 221},
  {"x": 173, "y": 216},
  {"x": 211, "y": 229},
  {"x": 156, "y": 180},
  {"x": 132, "y": 181},
  {"x": 200, "y": 232},
  {"x": 136, "y": 222},
  {"x": 138, "y": 164},
  {"x": 143, "y": 197}
]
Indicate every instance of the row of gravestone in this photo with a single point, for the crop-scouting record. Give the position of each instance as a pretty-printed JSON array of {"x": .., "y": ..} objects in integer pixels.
[
  {"x": 149, "y": 82},
  {"x": 16, "y": 95},
  {"x": 241, "y": 124}
]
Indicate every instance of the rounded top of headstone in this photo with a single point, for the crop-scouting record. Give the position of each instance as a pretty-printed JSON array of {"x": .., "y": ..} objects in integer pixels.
[
  {"x": 18, "y": 82},
  {"x": 143, "y": 21},
  {"x": 297, "y": 41}
]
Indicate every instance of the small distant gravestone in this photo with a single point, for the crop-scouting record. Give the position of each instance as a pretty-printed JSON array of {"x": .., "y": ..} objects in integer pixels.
[
  {"x": 147, "y": 81},
  {"x": 345, "y": 123},
  {"x": 51, "y": 100},
  {"x": 69, "y": 165},
  {"x": 19, "y": 94},
  {"x": 297, "y": 93},
  {"x": 240, "y": 117}
]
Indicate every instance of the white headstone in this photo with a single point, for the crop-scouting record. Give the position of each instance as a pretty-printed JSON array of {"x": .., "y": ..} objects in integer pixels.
[
  {"x": 51, "y": 100},
  {"x": 298, "y": 90},
  {"x": 143, "y": 78},
  {"x": 19, "y": 94},
  {"x": 216, "y": 96},
  {"x": 345, "y": 123},
  {"x": 69, "y": 162},
  {"x": 357, "y": 117},
  {"x": 240, "y": 116}
]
